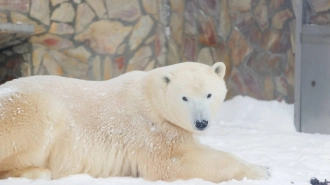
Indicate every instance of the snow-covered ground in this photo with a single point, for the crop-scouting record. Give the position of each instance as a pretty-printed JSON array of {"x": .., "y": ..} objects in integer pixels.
[{"x": 258, "y": 131}]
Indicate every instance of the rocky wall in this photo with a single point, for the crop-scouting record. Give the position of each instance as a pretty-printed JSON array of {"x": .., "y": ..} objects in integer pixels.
[
  {"x": 254, "y": 38},
  {"x": 90, "y": 39},
  {"x": 101, "y": 39}
]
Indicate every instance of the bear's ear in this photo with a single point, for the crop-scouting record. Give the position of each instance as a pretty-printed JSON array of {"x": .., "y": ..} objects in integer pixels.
[
  {"x": 219, "y": 68},
  {"x": 167, "y": 78}
]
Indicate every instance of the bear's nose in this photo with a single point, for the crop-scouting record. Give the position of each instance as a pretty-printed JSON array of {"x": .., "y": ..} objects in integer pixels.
[{"x": 201, "y": 125}]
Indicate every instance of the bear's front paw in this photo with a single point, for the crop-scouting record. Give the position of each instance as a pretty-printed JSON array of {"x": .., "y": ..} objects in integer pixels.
[{"x": 257, "y": 172}]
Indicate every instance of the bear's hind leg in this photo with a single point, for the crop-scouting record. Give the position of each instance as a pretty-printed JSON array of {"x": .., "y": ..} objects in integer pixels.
[{"x": 28, "y": 172}]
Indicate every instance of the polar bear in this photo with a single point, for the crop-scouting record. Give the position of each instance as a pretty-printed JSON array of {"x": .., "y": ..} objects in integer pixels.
[{"x": 140, "y": 124}]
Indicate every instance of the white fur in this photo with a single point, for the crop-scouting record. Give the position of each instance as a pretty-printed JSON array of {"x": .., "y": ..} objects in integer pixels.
[{"x": 134, "y": 125}]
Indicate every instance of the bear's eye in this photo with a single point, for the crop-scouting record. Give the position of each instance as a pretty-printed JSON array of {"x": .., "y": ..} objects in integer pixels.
[
  {"x": 184, "y": 98},
  {"x": 209, "y": 95}
]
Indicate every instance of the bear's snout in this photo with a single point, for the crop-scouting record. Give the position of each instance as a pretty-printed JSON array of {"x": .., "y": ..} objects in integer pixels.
[{"x": 201, "y": 125}]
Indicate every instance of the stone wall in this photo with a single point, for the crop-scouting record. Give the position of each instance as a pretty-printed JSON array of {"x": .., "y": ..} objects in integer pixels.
[
  {"x": 101, "y": 39},
  {"x": 254, "y": 38},
  {"x": 318, "y": 12},
  {"x": 90, "y": 39}
]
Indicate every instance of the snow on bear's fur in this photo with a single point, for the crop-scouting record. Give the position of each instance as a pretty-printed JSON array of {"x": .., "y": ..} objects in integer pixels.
[{"x": 140, "y": 124}]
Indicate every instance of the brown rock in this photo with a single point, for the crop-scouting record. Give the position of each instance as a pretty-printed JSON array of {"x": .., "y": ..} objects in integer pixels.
[
  {"x": 189, "y": 49},
  {"x": 190, "y": 15},
  {"x": 225, "y": 21},
  {"x": 290, "y": 68},
  {"x": 237, "y": 87},
  {"x": 79, "y": 53},
  {"x": 150, "y": 65},
  {"x": 121, "y": 49},
  {"x": 98, "y": 7},
  {"x": 268, "y": 88},
  {"x": 140, "y": 59},
  {"x": 37, "y": 55},
  {"x": 207, "y": 33},
  {"x": 320, "y": 5},
  {"x": 17, "y": 17},
  {"x": 52, "y": 67},
  {"x": 3, "y": 17},
  {"x": 261, "y": 14},
  {"x": 61, "y": 28},
  {"x": 40, "y": 10},
  {"x": 239, "y": 47},
  {"x": 15, "y": 5},
  {"x": 173, "y": 53},
  {"x": 264, "y": 63},
  {"x": 119, "y": 66},
  {"x": 51, "y": 41},
  {"x": 56, "y": 2},
  {"x": 71, "y": 66},
  {"x": 176, "y": 24},
  {"x": 107, "y": 68},
  {"x": 292, "y": 25},
  {"x": 84, "y": 17},
  {"x": 64, "y": 13},
  {"x": 238, "y": 6},
  {"x": 205, "y": 56},
  {"x": 161, "y": 60},
  {"x": 281, "y": 85},
  {"x": 276, "y": 41},
  {"x": 244, "y": 22},
  {"x": 280, "y": 18},
  {"x": 209, "y": 7},
  {"x": 126, "y": 10},
  {"x": 177, "y": 6},
  {"x": 150, "y": 39},
  {"x": 252, "y": 86},
  {"x": 96, "y": 64},
  {"x": 150, "y": 6},
  {"x": 140, "y": 31},
  {"x": 320, "y": 19},
  {"x": 274, "y": 5},
  {"x": 104, "y": 36}
]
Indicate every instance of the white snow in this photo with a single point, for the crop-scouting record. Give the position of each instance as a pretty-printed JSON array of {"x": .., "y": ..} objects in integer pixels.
[{"x": 259, "y": 132}]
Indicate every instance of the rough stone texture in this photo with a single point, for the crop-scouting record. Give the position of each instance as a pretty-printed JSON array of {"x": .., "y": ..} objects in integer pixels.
[
  {"x": 3, "y": 17},
  {"x": 225, "y": 22},
  {"x": 40, "y": 10},
  {"x": 104, "y": 36},
  {"x": 176, "y": 25},
  {"x": 56, "y": 2},
  {"x": 320, "y": 5},
  {"x": 140, "y": 59},
  {"x": 61, "y": 28},
  {"x": 239, "y": 47},
  {"x": 17, "y": 17},
  {"x": 64, "y": 13},
  {"x": 276, "y": 41},
  {"x": 52, "y": 41},
  {"x": 150, "y": 6},
  {"x": 107, "y": 68},
  {"x": 15, "y": 5},
  {"x": 79, "y": 53},
  {"x": 84, "y": 17},
  {"x": 96, "y": 63},
  {"x": 190, "y": 25},
  {"x": 207, "y": 33},
  {"x": 261, "y": 14},
  {"x": 205, "y": 56},
  {"x": 98, "y": 7},
  {"x": 102, "y": 39},
  {"x": 280, "y": 18},
  {"x": 126, "y": 10},
  {"x": 140, "y": 31}
]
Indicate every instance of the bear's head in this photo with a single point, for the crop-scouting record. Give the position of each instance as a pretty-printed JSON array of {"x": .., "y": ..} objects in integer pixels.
[{"x": 188, "y": 94}]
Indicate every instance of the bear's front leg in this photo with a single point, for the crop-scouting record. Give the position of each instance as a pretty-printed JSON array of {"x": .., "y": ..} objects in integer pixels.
[{"x": 212, "y": 165}]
